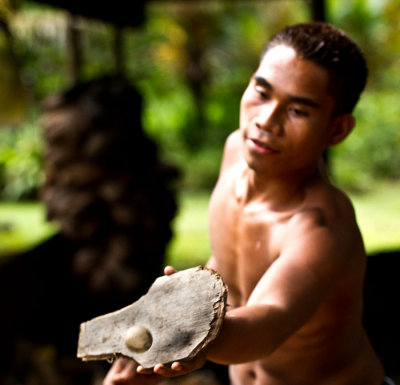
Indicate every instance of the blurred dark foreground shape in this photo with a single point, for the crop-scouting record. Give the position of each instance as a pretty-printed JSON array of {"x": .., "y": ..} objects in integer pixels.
[{"x": 113, "y": 200}]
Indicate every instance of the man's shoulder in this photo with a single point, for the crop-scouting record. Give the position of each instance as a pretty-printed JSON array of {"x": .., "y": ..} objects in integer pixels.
[
  {"x": 325, "y": 203},
  {"x": 329, "y": 213},
  {"x": 309, "y": 217},
  {"x": 232, "y": 150}
]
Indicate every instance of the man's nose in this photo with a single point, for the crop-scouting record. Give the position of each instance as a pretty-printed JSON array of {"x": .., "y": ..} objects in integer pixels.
[{"x": 268, "y": 119}]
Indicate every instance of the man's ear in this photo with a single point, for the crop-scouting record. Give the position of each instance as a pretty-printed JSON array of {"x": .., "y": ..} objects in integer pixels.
[{"x": 341, "y": 127}]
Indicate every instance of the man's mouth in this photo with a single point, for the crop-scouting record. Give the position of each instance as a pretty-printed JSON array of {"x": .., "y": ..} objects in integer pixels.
[{"x": 260, "y": 147}]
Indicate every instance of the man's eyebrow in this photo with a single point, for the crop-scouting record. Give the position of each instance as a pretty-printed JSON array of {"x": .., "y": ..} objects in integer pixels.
[
  {"x": 295, "y": 98},
  {"x": 304, "y": 100},
  {"x": 263, "y": 82}
]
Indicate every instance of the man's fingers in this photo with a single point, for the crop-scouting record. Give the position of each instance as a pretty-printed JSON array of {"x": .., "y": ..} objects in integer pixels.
[
  {"x": 141, "y": 370},
  {"x": 168, "y": 270},
  {"x": 167, "y": 371},
  {"x": 161, "y": 370},
  {"x": 177, "y": 366}
]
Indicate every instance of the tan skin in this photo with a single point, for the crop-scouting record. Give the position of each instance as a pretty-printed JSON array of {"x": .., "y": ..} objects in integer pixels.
[{"x": 285, "y": 241}]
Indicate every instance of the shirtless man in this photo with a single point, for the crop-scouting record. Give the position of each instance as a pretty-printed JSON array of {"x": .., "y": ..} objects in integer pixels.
[{"x": 284, "y": 239}]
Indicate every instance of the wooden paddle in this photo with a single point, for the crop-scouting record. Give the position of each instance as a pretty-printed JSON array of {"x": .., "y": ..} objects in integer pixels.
[{"x": 177, "y": 318}]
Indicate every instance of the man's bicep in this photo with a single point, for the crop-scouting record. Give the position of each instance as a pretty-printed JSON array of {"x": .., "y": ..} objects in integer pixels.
[{"x": 302, "y": 275}]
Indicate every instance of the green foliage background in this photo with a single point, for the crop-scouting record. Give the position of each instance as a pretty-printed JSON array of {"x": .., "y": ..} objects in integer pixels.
[{"x": 191, "y": 64}]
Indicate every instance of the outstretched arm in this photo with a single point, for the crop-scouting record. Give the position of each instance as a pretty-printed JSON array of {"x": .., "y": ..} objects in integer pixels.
[{"x": 286, "y": 297}]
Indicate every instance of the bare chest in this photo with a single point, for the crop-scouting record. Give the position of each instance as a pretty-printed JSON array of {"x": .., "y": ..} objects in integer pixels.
[{"x": 245, "y": 241}]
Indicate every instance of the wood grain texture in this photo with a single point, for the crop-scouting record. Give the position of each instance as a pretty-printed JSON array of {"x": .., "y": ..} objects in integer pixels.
[{"x": 183, "y": 313}]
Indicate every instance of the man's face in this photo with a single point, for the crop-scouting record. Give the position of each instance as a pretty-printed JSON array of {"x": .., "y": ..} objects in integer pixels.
[{"x": 286, "y": 113}]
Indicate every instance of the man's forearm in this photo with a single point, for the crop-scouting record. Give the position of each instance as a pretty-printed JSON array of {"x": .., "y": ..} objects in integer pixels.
[{"x": 248, "y": 334}]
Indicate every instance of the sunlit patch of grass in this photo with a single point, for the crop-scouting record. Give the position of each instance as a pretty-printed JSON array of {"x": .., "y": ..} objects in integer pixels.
[
  {"x": 190, "y": 245},
  {"x": 22, "y": 225},
  {"x": 378, "y": 215}
]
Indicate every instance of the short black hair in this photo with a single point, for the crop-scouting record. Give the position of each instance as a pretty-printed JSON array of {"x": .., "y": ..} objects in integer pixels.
[{"x": 332, "y": 49}]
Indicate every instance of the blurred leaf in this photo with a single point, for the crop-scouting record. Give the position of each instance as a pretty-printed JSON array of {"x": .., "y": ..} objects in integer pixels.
[
  {"x": 20, "y": 162},
  {"x": 13, "y": 96}
]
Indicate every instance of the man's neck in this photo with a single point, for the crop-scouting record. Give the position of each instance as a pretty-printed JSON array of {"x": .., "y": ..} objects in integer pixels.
[{"x": 277, "y": 192}]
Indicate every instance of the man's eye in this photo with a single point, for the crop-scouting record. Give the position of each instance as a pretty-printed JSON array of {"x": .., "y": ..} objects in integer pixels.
[
  {"x": 298, "y": 112},
  {"x": 261, "y": 91}
]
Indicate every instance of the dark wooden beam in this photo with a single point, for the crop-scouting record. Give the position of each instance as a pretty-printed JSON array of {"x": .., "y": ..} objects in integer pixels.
[
  {"x": 119, "y": 12},
  {"x": 118, "y": 50},
  {"x": 74, "y": 50},
  {"x": 318, "y": 10}
]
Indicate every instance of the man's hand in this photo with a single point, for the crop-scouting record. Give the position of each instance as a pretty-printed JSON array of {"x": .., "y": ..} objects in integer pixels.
[
  {"x": 124, "y": 372},
  {"x": 128, "y": 372},
  {"x": 178, "y": 368}
]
